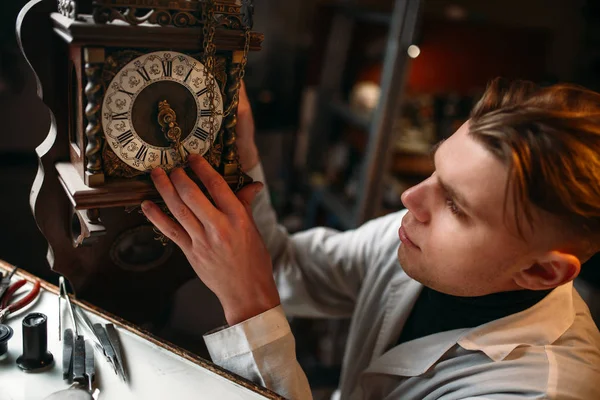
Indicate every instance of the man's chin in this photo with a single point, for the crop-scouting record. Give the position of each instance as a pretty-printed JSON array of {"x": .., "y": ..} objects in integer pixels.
[{"x": 405, "y": 263}]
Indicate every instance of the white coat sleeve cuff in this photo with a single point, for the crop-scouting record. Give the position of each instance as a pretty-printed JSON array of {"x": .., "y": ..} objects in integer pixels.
[
  {"x": 257, "y": 173},
  {"x": 248, "y": 335}
]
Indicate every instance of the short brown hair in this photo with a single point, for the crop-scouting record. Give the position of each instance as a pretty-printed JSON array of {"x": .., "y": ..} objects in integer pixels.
[{"x": 550, "y": 139}]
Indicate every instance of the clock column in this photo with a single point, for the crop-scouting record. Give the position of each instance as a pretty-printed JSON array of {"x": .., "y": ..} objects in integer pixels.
[
  {"x": 94, "y": 58},
  {"x": 231, "y": 168}
]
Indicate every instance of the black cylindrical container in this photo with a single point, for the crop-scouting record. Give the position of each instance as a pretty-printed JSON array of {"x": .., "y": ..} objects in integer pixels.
[
  {"x": 6, "y": 333},
  {"x": 35, "y": 343}
]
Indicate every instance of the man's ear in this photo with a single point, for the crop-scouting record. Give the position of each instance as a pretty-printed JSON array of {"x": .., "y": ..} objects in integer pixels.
[{"x": 553, "y": 269}]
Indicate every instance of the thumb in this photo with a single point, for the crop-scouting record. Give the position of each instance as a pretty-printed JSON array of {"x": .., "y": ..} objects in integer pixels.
[{"x": 247, "y": 194}]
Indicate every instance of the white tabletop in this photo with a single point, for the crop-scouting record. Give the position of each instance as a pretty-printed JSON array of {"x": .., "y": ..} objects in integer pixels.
[{"x": 154, "y": 372}]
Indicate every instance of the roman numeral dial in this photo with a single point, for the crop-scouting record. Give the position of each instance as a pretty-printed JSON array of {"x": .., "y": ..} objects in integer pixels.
[
  {"x": 201, "y": 134},
  {"x": 125, "y": 138},
  {"x": 129, "y": 119}
]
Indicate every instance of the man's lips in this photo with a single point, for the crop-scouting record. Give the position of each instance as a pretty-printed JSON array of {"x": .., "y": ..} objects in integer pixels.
[{"x": 405, "y": 239}]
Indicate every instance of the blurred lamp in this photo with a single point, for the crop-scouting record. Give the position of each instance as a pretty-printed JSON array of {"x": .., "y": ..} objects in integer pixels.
[{"x": 413, "y": 51}]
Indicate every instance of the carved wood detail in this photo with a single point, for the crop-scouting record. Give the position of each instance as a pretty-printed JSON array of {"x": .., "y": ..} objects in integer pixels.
[
  {"x": 84, "y": 31},
  {"x": 181, "y": 14},
  {"x": 93, "y": 91},
  {"x": 68, "y": 8}
]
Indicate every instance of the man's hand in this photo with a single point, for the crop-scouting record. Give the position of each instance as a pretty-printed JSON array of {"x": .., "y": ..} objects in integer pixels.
[
  {"x": 245, "y": 133},
  {"x": 221, "y": 243}
]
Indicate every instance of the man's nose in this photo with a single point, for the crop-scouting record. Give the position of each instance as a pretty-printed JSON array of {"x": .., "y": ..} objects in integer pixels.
[{"x": 416, "y": 200}]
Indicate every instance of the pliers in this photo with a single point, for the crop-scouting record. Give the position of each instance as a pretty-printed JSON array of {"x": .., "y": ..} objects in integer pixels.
[{"x": 7, "y": 291}]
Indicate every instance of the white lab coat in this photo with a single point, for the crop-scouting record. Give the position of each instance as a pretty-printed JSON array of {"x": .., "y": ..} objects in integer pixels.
[{"x": 549, "y": 351}]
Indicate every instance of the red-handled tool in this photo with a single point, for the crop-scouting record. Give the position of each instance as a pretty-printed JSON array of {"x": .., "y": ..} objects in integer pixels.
[{"x": 7, "y": 308}]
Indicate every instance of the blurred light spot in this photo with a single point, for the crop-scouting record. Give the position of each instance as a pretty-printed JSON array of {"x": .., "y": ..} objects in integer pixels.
[
  {"x": 413, "y": 51},
  {"x": 455, "y": 12}
]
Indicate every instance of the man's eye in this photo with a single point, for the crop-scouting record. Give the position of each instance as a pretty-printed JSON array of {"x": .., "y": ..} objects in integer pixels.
[{"x": 454, "y": 208}]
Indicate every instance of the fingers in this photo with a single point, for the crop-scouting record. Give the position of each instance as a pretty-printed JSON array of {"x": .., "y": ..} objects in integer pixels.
[
  {"x": 166, "y": 225},
  {"x": 193, "y": 197},
  {"x": 247, "y": 194},
  {"x": 176, "y": 205},
  {"x": 222, "y": 195}
]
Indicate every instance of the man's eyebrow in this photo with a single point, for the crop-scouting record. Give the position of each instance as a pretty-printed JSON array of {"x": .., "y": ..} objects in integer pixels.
[
  {"x": 434, "y": 150},
  {"x": 454, "y": 194}
]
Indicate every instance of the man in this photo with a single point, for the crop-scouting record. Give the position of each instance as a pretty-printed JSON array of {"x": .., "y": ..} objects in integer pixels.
[{"x": 481, "y": 302}]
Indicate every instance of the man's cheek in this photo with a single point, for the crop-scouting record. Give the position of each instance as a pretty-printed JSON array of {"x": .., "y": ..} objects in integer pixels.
[{"x": 445, "y": 250}]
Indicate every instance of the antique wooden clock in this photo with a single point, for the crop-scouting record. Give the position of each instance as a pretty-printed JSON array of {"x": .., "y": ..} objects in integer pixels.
[{"x": 131, "y": 85}]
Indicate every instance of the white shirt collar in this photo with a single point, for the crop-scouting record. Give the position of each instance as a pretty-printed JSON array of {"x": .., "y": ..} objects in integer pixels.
[{"x": 539, "y": 325}]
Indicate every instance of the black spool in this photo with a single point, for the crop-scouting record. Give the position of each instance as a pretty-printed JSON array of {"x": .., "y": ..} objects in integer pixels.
[
  {"x": 35, "y": 343},
  {"x": 6, "y": 333}
]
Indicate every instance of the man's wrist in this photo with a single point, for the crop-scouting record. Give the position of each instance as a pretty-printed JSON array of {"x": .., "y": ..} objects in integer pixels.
[{"x": 242, "y": 308}]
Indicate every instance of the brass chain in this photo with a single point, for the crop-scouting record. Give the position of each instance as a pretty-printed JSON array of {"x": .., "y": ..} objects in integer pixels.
[
  {"x": 209, "y": 63},
  {"x": 241, "y": 73},
  {"x": 208, "y": 31}
]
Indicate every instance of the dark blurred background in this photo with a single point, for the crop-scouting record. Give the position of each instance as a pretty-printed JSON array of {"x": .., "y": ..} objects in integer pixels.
[{"x": 315, "y": 89}]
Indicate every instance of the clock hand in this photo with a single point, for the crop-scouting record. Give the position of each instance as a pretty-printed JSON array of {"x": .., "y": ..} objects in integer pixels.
[{"x": 168, "y": 121}]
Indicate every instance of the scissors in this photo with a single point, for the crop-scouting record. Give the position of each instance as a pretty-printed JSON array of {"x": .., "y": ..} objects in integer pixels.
[{"x": 7, "y": 291}]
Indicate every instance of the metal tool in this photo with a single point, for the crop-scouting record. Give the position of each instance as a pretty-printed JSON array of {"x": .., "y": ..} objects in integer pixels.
[
  {"x": 79, "y": 360},
  {"x": 5, "y": 282},
  {"x": 68, "y": 343},
  {"x": 7, "y": 293},
  {"x": 90, "y": 368},
  {"x": 6, "y": 331},
  {"x": 108, "y": 343},
  {"x": 83, "y": 319},
  {"x": 78, "y": 355},
  {"x": 76, "y": 358},
  {"x": 63, "y": 294},
  {"x": 113, "y": 337},
  {"x": 110, "y": 352}
]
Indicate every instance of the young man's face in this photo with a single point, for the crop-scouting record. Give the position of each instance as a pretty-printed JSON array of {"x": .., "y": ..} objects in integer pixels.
[{"x": 455, "y": 237}]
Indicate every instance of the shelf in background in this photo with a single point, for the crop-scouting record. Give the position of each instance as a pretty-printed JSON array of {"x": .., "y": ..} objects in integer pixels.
[
  {"x": 344, "y": 111},
  {"x": 412, "y": 164},
  {"x": 363, "y": 14},
  {"x": 334, "y": 204}
]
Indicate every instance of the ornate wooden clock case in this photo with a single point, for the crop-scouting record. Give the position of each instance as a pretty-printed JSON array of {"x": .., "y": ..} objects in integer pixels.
[{"x": 132, "y": 85}]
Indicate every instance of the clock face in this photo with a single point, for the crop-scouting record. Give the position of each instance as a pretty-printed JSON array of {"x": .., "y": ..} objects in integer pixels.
[{"x": 130, "y": 111}]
